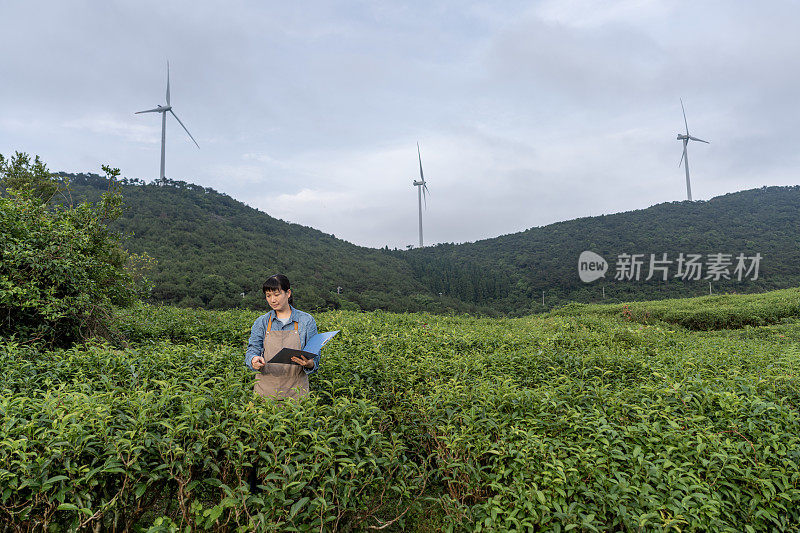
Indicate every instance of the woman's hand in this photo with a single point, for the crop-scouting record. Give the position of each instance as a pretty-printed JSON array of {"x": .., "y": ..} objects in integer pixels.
[
  {"x": 257, "y": 362},
  {"x": 303, "y": 361}
]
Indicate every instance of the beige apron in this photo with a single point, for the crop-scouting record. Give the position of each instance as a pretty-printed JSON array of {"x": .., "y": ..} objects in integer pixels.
[{"x": 277, "y": 380}]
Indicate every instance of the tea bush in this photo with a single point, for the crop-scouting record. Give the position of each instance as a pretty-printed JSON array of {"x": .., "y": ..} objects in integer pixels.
[
  {"x": 728, "y": 311},
  {"x": 100, "y": 440},
  {"x": 586, "y": 422}
]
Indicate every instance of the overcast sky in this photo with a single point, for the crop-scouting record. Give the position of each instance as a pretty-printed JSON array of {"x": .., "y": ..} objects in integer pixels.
[{"x": 526, "y": 113}]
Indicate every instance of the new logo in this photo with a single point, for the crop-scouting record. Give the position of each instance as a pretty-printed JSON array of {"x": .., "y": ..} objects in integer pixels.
[{"x": 591, "y": 266}]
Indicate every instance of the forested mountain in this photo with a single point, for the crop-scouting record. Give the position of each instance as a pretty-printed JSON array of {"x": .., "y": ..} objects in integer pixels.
[
  {"x": 210, "y": 249},
  {"x": 512, "y": 271}
]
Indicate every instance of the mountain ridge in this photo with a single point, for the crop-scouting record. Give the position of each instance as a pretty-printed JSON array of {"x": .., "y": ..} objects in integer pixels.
[{"x": 199, "y": 235}]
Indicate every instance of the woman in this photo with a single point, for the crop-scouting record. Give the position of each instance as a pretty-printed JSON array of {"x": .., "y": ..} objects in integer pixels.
[{"x": 283, "y": 327}]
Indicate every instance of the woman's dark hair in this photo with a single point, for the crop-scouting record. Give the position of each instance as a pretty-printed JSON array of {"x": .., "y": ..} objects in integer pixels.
[{"x": 277, "y": 282}]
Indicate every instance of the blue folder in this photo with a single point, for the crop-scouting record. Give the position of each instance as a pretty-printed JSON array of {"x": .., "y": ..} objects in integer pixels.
[{"x": 315, "y": 343}]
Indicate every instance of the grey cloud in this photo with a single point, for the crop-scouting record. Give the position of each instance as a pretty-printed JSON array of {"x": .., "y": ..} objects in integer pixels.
[{"x": 527, "y": 113}]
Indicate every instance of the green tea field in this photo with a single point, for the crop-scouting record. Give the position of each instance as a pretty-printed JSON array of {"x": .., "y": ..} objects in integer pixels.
[{"x": 678, "y": 415}]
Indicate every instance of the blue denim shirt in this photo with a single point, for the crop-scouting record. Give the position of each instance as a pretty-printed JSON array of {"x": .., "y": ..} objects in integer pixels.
[{"x": 306, "y": 328}]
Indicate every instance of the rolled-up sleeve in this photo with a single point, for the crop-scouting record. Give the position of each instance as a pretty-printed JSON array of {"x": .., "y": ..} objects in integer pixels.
[{"x": 256, "y": 342}]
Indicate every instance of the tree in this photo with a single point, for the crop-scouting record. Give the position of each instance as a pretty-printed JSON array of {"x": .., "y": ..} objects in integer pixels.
[
  {"x": 61, "y": 268},
  {"x": 28, "y": 179}
]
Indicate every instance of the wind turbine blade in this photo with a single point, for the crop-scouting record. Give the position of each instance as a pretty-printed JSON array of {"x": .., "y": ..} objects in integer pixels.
[
  {"x": 184, "y": 127},
  {"x": 168, "y": 85},
  {"x": 148, "y": 111},
  {"x": 421, "y": 177},
  {"x": 696, "y": 139},
  {"x": 684, "y": 117},
  {"x": 683, "y": 154}
]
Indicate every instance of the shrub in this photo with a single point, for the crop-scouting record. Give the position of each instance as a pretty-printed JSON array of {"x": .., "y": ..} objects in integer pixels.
[{"x": 61, "y": 268}]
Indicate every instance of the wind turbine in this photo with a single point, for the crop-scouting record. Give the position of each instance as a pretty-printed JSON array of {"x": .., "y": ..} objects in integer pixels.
[
  {"x": 422, "y": 191},
  {"x": 685, "y": 157},
  {"x": 163, "y": 110}
]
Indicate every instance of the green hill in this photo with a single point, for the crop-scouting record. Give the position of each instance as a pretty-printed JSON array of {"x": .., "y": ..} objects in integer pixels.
[
  {"x": 510, "y": 272},
  {"x": 211, "y": 248}
]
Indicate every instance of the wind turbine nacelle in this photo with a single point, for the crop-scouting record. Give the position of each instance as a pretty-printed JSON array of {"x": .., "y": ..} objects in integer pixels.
[
  {"x": 419, "y": 182},
  {"x": 682, "y": 137}
]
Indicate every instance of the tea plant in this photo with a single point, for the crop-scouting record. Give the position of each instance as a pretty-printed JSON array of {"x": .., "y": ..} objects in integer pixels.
[{"x": 591, "y": 421}]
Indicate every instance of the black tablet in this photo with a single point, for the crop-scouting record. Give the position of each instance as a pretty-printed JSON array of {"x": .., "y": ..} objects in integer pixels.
[{"x": 285, "y": 356}]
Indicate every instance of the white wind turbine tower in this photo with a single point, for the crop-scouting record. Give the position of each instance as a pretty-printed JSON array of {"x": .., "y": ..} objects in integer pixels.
[
  {"x": 422, "y": 191},
  {"x": 685, "y": 157},
  {"x": 163, "y": 110}
]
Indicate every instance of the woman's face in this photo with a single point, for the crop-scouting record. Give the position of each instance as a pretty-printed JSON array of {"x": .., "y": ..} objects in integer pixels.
[{"x": 278, "y": 299}]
